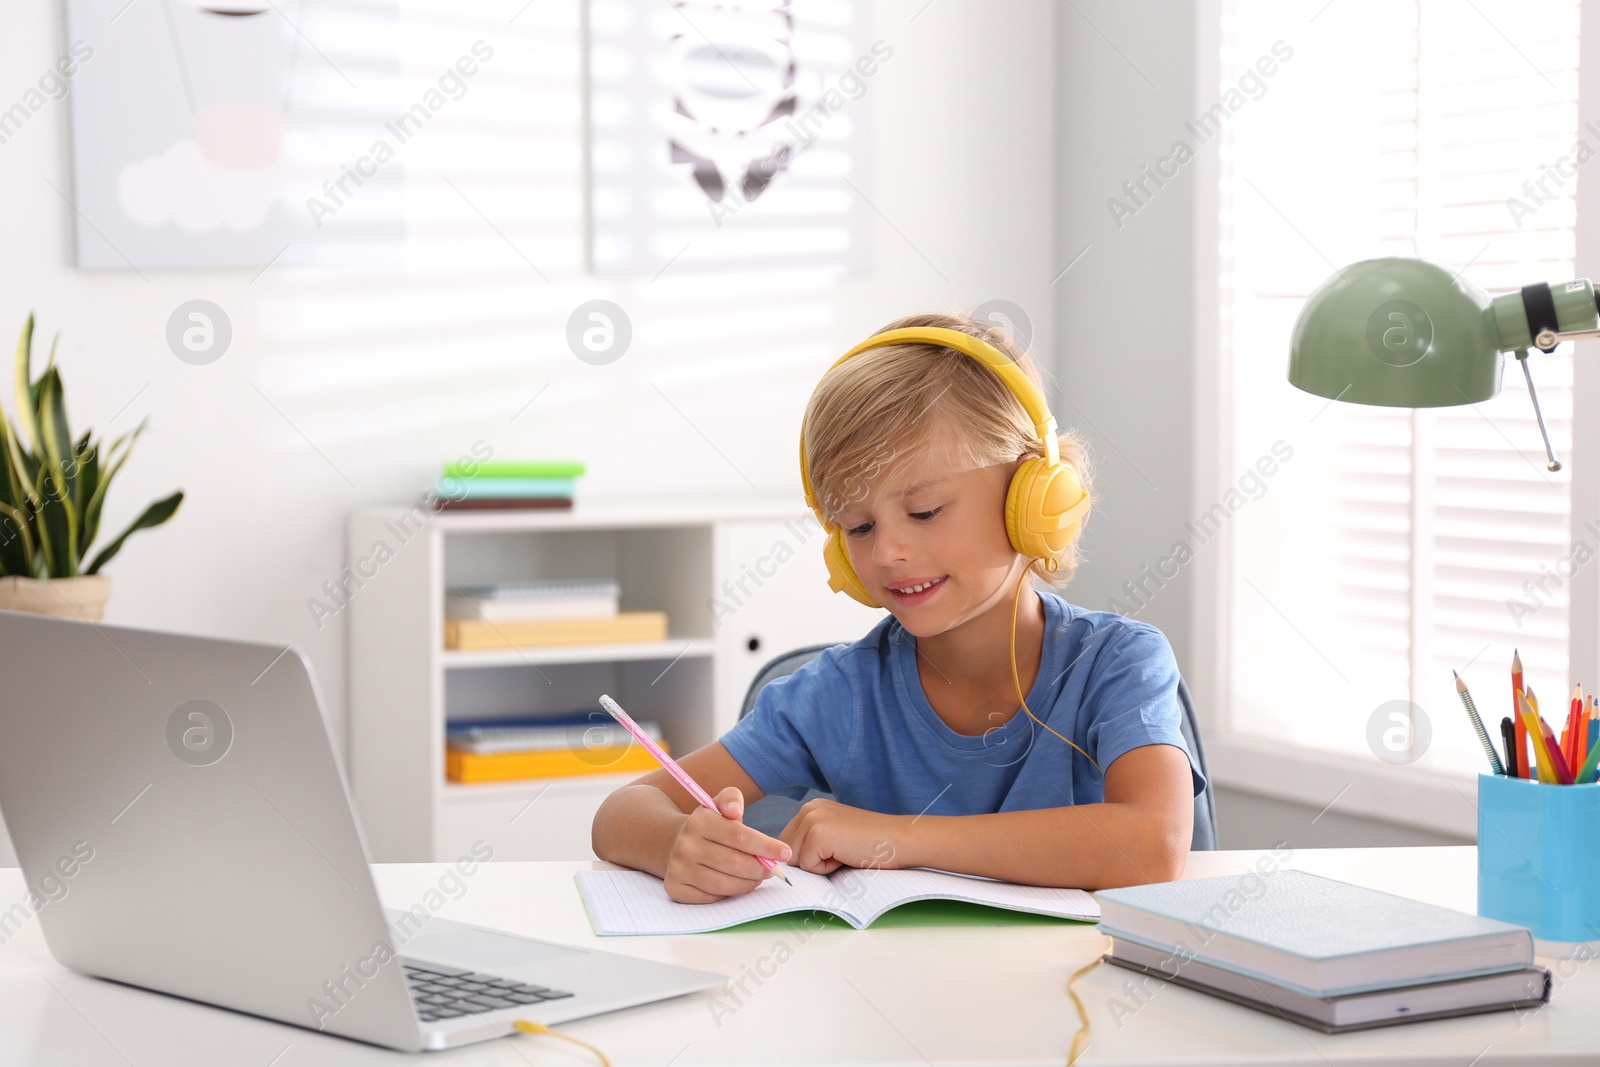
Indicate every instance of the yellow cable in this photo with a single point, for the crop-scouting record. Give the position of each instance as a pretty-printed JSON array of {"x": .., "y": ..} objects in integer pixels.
[
  {"x": 1017, "y": 678},
  {"x": 1083, "y": 1015},
  {"x": 528, "y": 1026}
]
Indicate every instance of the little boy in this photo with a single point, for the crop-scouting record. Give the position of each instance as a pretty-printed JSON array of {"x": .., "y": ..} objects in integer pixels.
[{"x": 985, "y": 726}]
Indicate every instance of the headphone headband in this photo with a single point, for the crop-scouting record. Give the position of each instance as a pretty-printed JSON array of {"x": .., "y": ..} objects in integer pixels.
[{"x": 1021, "y": 387}]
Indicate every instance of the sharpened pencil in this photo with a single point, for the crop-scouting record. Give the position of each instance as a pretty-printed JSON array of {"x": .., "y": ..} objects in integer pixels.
[
  {"x": 1477, "y": 725},
  {"x": 1525, "y": 767},
  {"x": 692, "y": 787}
]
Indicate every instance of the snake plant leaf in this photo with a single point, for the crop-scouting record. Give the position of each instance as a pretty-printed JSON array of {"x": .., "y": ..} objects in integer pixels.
[
  {"x": 20, "y": 471},
  {"x": 52, "y": 523},
  {"x": 16, "y": 539},
  {"x": 55, "y": 439},
  {"x": 110, "y": 466},
  {"x": 154, "y": 515},
  {"x": 15, "y": 490},
  {"x": 60, "y": 512},
  {"x": 76, "y": 471},
  {"x": 26, "y": 422},
  {"x": 60, "y": 519},
  {"x": 83, "y": 490},
  {"x": 57, "y": 513},
  {"x": 16, "y": 543},
  {"x": 49, "y": 365}
]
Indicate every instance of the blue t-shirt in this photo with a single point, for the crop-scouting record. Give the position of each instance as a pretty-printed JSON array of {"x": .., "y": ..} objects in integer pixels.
[{"x": 856, "y": 723}]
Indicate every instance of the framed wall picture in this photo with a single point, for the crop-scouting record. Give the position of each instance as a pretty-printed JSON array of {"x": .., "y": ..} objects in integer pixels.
[
  {"x": 213, "y": 133},
  {"x": 729, "y": 136}
]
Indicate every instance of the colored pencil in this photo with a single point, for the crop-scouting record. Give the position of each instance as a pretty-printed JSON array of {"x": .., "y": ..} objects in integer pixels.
[
  {"x": 1569, "y": 733},
  {"x": 1586, "y": 773},
  {"x": 1557, "y": 762},
  {"x": 1578, "y": 725},
  {"x": 693, "y": 787},
  {"x": 1544, "y": 769},
  {"x": 1477, "y": 725},
  {"x": 1581, "y": 752},
  {"x": 1525, "y": 768},
  {"x": 1594, "y": 723}
]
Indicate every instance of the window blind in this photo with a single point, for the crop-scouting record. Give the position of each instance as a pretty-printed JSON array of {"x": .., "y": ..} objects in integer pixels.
[
  {"x": 1396, "y": 545},
  {"x": 456, "y": 341}
]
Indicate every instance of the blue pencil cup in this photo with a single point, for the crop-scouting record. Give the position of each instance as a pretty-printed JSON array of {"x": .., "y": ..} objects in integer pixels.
[{"x": 1539, "y": 856}]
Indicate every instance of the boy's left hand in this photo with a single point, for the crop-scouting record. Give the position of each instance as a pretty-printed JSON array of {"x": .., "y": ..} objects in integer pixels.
[{"x": 826, "y": 835}]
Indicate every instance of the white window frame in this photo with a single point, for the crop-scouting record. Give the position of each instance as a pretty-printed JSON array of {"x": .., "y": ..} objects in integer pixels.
[{"x": 1430, "y": 799}]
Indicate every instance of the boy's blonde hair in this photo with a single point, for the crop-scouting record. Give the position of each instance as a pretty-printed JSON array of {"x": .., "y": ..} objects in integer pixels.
[{"x": 879, "y": 408}]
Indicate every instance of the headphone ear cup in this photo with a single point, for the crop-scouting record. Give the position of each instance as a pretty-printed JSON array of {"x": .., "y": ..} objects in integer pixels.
[
  {"x": 842, "y": 576},
  {"x": 1045, "y": 508}
]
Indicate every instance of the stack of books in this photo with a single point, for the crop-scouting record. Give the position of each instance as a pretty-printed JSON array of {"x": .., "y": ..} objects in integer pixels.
[
  {"x": 1322, "y": 953},
  {"x": 501, "y": 484},
  {"x": 583, "y": 742},
  {"x": 548, "y": 612}
]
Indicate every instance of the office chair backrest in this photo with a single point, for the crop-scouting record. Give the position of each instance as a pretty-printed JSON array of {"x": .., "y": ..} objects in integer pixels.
[{"x": 772, "y": 813}]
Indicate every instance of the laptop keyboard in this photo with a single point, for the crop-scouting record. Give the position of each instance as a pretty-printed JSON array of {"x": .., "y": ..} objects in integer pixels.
[{"x": 441, "y": 992}]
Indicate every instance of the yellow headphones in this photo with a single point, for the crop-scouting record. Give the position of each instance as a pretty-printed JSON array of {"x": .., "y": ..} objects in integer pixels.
[{"x": 1046, "y": 503}]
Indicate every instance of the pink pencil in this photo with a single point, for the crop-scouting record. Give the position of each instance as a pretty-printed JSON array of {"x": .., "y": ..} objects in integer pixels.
[{"x": 673, "y": 769}]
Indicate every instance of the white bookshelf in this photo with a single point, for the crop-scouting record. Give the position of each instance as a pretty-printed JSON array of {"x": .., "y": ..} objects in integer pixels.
[{"x": 760, "y": 558}]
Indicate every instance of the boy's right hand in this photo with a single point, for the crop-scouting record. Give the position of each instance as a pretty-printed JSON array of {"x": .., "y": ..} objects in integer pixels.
[{"x": 714, "y": 856}]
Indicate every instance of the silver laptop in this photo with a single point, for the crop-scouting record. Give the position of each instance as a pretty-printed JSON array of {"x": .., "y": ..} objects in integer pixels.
[{"x": 184, "y": 826}]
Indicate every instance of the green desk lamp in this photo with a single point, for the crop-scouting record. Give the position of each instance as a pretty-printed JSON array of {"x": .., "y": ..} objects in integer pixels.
[{"x": 1408, "y": 333}]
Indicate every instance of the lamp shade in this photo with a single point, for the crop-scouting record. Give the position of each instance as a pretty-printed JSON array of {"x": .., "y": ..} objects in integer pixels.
[{"x": 1398, "y": 333}]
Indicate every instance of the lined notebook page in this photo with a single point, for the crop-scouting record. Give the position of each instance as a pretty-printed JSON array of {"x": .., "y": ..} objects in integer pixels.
[
  {"x": 632, "y": 902},
  {"x": 870, "y": 893}
]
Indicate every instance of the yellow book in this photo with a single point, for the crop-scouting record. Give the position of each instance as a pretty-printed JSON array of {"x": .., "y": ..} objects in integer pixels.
[
  {"x": 477, "y": 635},
  {"x": 463, "y": 766}
]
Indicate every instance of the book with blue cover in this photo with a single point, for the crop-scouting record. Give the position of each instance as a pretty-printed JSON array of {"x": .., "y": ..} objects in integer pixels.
[
  {"x": 1313, "y": 934},
  {"x": 1523, "y": 989}
]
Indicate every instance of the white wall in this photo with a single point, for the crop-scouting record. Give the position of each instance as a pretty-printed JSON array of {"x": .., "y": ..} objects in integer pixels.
[
  {"x": 345, "y": 387},
  {"x": 1248, "y": 820},
  {"x": 1125, "y": 311}
]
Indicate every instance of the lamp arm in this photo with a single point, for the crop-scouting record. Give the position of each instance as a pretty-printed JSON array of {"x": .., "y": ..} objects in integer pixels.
[
  {"x": 1551, "y": 462},
  {"x": 1548, "y": 339}
]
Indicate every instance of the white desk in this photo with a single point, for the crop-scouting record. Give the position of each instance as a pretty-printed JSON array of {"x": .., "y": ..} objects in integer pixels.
[{"x": 937, "y": 995}]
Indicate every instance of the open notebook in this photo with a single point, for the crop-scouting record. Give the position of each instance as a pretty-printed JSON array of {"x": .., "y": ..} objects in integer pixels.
[{"x": 632, "y": 902}]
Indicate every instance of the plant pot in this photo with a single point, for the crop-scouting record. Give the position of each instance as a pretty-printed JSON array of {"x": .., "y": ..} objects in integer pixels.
[{"x": 82, "y": 598}]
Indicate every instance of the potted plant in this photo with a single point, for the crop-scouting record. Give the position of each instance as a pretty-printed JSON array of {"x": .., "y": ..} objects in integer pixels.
[{"x": 52, "y": 491}]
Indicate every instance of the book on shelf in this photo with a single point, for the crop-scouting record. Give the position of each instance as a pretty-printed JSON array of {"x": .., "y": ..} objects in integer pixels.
[
  {"x": 480, "y": 635},
  {"x": 592, "y": 734},
  {"x": 538, "y": 587},
  {"x": 514, "y": 468},
  {"x": 554, "y": 599},
  {"x": 503, "y": 504},
  {"x": 501, "y": 488},
  {"x": 504, "y": 485},
  {"x": 1311, "y": 934},
  {"x": 472, "y": 767},
  {"x": 580, "y": 718},
  {"x": 1524, "y": 988}
]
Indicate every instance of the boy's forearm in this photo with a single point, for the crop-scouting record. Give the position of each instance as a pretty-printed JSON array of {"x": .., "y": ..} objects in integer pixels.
[
  {"x": 1086, "y": 846},
  {"x": 636, "y": 827}
]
